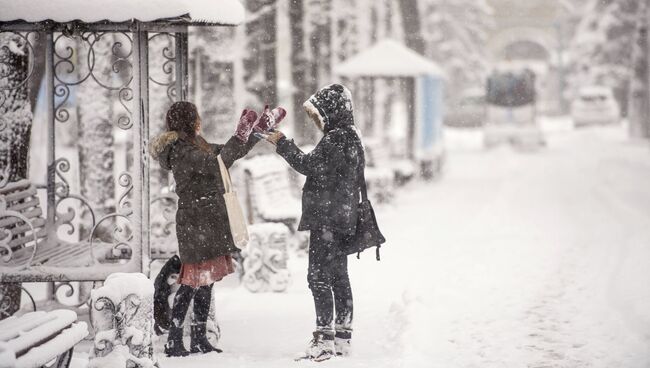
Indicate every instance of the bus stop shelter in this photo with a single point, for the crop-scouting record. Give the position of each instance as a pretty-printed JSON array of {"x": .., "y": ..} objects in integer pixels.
[{"x": 424, "y": 81}]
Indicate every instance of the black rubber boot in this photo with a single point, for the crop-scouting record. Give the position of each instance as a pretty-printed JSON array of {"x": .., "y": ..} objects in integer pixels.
[
  {"x": 174, "y": 346},
  {"x": 199, "y": 341}
]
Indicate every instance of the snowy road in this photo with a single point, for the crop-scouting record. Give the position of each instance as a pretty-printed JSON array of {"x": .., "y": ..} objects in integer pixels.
[{"x": 511, "y": 260}]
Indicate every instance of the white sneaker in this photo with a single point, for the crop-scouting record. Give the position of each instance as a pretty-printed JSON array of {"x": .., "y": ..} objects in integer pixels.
[
  {"x": 321, "y": 346},
  {"x": 342, "y": 342}
]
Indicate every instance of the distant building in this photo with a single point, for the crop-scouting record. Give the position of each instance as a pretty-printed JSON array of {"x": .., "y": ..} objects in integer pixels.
[{"x": 536, "y": 33}]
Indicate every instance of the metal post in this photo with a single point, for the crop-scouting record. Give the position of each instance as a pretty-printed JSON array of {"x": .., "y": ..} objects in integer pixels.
[
  {"x": 141, "y": 79},
  {"x": 51, "y": 153},
  {"x": 181, "y": 64}
]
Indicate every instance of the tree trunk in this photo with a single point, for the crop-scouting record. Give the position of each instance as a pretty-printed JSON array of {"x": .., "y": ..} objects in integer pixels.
[
  {"x": 411, "y": 24},
  {"x": 299, "y": 68},
  {"x": 639, "y": 100},
  {"x": 260, "y": 74},
  {"x": 15, "y": 131}
]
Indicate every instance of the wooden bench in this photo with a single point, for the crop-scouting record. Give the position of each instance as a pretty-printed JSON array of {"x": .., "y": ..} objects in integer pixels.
[
  {"x": 35, "y": 339},
  {"x": 24, "y": 238}
]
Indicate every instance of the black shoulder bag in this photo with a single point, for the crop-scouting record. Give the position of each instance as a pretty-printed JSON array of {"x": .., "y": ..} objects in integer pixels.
[{"x": 367, "y": 234}]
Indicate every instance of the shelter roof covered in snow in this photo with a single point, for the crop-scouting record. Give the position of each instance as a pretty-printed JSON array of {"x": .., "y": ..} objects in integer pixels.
[
  {"x": 192, "y": 12},
  {"x": 388, "y": 58}
]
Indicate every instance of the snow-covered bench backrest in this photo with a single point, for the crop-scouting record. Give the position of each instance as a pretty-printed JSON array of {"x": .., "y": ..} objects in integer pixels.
[
  {"x": 22, "y": 204},
  {"x": 270, "y": 196}
]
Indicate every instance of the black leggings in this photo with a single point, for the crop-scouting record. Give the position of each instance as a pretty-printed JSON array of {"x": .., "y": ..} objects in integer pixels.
[
  {"x": 327, "y": 275},
  {"x": 202, "y": 297}
]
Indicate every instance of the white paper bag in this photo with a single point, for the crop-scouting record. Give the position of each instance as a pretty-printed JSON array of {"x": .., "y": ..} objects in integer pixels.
[{"x": 236, "y": 218}]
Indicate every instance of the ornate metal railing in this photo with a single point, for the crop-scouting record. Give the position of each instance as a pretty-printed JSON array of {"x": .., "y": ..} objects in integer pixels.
[{"x": 94, "y": 218}]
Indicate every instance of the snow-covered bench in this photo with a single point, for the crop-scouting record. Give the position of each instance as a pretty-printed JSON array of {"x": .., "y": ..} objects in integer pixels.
[
  {"x": 380, "y": 173},
  {"x": 270, "y": 196},
  {"x": 24, "y": 237},
  {"x": 37, "y": 338}
]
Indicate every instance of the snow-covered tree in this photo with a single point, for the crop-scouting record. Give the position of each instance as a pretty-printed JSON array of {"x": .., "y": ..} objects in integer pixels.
[
  {"x": 95, "y": 132},
  {"x": 15, "y": 130},
  {"x": 412, "y": 25},
  {"x": 260, "y": 75},
  {"x": 15, "y": 109},
  {"x": 601, "y": 50},
  {"x": 455, "y": 33},
  {"x": 212, "y": 72}
]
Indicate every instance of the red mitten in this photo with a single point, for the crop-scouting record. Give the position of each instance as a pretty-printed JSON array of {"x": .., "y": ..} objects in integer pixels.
[
  {"x": 270, "y": 119},
  {"x": 244, "y": 128}
]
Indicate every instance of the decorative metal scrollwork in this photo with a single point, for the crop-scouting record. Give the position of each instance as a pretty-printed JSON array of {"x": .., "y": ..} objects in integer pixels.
[
  {"x": 107, "y": 62},
  {"x": 168, "y": 67},
  {"x": 122, "y": 234},
  {"x": 6, "y": 252}
]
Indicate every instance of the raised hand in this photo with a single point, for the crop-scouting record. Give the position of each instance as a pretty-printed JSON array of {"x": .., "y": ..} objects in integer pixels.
[
  {"x": 274, "y": 137},
  {"x": 247, "y": 121},
  {"x": 270, "y": 119}
]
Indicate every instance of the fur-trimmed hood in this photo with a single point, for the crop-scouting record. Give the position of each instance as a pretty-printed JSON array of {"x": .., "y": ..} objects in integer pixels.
[
  {"x": 332, "y": 106},
  {"x": 160, "y": 148}
]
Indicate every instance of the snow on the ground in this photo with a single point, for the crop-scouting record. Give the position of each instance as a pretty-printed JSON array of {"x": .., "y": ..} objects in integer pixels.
[{"x": 511, "y": 260}]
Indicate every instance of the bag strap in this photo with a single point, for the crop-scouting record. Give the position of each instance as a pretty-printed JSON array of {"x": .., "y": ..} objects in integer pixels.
[
  {"x": 361, "y": 176},
  {"x": 225, "y": 175}
]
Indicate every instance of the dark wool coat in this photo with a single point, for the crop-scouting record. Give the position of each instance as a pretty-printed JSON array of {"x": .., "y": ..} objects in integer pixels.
[
  {"x": 202, "y": 224},
  {"x": 330, "y": 197}
]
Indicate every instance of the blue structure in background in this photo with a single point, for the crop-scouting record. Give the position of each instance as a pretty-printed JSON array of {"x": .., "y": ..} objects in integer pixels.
[{"x": 431, "y": 112}]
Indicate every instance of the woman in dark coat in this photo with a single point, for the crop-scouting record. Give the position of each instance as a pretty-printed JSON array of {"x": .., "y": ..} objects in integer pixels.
[
  {"x": 330, "y": 199},
  {"x": 205, "y": 242}
]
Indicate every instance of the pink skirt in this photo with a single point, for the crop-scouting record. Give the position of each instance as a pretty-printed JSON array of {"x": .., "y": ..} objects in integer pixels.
[{"x": 206, "y": 272}]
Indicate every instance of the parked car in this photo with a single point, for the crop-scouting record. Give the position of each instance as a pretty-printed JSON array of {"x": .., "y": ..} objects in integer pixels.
[
  {"x": 468, "y": 111},
  {"x": 595, "y": 105}
]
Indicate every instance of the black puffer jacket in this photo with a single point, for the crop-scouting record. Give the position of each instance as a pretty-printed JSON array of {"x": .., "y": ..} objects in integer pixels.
[
  {"x": 330, "y": 197},
  {"x": 202, "y": 224}
]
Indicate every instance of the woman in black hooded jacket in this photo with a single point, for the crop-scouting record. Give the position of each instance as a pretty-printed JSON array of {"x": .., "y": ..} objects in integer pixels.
[{"x": 330, "y": 199}]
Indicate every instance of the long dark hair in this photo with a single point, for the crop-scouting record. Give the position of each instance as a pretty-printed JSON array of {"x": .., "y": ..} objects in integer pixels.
[{"x": 183, "y": 117}]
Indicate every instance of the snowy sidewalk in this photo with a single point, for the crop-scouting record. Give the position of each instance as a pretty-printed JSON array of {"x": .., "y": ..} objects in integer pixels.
[{"x": 511, "y": 260}]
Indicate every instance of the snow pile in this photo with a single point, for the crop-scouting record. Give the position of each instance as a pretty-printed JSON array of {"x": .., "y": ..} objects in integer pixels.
[
  {"x": 226, "y": 12},
  {"x": 120, "y": 285},
  {"x": 123, "y": 321},
  {"x": 7, "y": 356},
  {"x": 388, "y": 58}
]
